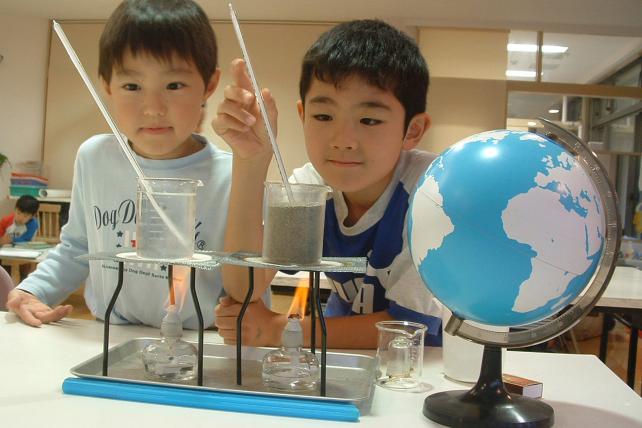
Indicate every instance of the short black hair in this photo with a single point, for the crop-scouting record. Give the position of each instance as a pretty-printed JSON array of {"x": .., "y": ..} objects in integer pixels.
[
  {"x": 28, "y": 204},
  {"x": 160, "y": 28},
  {"x": 375, "y": 51}
]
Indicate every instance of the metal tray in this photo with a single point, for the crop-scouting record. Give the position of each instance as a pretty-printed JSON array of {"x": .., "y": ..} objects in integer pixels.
[{"x": 349, "y": 377}]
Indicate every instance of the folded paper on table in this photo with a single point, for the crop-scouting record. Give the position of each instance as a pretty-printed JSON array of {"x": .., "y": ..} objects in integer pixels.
[
  {"x": 55, "y": 193},
  {"x": 213, "y": 400}
]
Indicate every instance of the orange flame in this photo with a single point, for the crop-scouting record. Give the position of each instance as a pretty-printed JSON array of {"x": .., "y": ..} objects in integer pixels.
[
  {"x": 300, "y": 299},
  {"x": 180, "y": 286}
]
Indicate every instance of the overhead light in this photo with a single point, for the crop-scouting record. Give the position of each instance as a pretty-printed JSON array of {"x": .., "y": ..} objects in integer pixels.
[
  {"x": 528, "y": 47},
  {"x": 531, "y": 123},
  {"x": 520, "y": 73},
  {"x": 553, "y": 111}
]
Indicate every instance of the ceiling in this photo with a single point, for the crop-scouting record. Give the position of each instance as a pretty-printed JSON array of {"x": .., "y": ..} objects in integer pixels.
[
  {"x": 612, "y": 17},
  {"x": 564, "y": 22}
]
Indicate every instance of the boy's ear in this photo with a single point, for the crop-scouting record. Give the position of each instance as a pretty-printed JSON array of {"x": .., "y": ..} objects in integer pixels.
[
  {"x": 105, "y": 86},
  {"x": 417, "y": 127},
  {"x": 299, "y": 109},
  {"x": 213, "y": 83}
]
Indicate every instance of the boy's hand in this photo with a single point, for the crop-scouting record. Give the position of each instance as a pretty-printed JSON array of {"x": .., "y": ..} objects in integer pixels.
[
  {"x": 261, "y": 326},
  {"x": 32, "y": 311},
  {"x": 6, "y": 239},
  {"x": 238, "y": 118}
]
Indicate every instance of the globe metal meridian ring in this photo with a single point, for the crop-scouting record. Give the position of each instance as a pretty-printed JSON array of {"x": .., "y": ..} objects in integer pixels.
[{"x": 543, "y": 331}]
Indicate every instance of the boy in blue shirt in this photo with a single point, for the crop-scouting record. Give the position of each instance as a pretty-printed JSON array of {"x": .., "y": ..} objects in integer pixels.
[
  {"x": 363, "y": 93},
  {"x": 158, "y": 67},
  {"x": 22, "y": 224}
]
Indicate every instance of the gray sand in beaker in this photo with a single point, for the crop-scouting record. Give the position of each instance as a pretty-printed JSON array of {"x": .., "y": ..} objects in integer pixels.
[{"x": 293, "y": 234}]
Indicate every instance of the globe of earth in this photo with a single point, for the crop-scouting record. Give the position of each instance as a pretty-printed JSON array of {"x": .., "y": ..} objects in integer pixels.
[{"x": 506, "y": 228}]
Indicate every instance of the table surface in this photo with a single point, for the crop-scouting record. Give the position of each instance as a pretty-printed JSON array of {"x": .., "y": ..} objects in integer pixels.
[
  {"x": 624, "y": 289},
  {"x": 581, "y": 390}
]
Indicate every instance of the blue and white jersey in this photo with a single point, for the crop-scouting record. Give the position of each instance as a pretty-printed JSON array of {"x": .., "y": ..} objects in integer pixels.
[{"x": 391, "y": 282}]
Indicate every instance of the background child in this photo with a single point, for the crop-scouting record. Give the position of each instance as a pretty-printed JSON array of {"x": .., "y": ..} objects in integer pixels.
[
  {"x": 363, "y": 93},
  {"x": 22, "y": 224},
  {"x": 158, "y": 66}
]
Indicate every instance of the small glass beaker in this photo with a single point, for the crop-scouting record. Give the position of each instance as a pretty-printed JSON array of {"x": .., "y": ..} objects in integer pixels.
[
  {"x": 166, "y": 229},
  {"x": 293, "y": 230},
  {"x": 400, "y": 354}
]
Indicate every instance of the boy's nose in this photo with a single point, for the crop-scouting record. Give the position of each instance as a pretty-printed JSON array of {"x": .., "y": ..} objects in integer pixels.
[
  {"x": 154, "y": 106},
  {"x": 345, "y": 138}
]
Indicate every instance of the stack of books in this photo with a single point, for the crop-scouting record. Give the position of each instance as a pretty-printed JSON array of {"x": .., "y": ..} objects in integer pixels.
[{"x": 27, "y": 184}]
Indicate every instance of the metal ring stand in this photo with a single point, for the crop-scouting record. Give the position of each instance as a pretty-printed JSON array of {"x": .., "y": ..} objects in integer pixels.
[
  {"x": 315, "y": 305},
  {"x": 356, "y": 265},
  {"x": 197, "y": 306}
]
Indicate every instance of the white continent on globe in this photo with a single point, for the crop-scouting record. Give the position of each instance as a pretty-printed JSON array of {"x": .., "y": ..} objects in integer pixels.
[
  {"x": 428, "y": 201},
  {"x": 562, "y": 236}
]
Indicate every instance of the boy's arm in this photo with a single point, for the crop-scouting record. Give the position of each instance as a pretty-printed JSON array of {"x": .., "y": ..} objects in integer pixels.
[
  {"x": 349, "y": 332},
  {"x": 262, "y": 327},
  {"x": 238, "y": 121},
  {"x": 4, "y": 223}
]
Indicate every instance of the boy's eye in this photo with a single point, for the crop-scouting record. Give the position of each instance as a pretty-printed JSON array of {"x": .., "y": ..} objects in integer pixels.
[
  {"x": 370, "y": 122},
  {"x": 130, "y": 87},
  {"x": 175, "y": 85},
  {"x": 322, "y": 117}
]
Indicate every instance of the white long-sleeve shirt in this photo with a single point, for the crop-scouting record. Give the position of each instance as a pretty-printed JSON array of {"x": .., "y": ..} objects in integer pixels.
[{"x": 102, "y": 218}]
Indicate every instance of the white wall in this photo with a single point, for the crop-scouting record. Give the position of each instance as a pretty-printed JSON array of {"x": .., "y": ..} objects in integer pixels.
[{"x": 24, "y": 43}]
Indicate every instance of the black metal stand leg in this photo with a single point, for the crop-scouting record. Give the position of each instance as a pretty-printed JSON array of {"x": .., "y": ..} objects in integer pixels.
[
  {"x": 313, "y": 317},
  {"x": 110, "y": 308},
  {"x": 633, "y": 351},
  {"x": 170, "y": 283},
  {"x": 607, "y": 320},
  {"x": 199, "y": 314},
  {"x": 239, "y": 325},
  {"x": 324, "y": 347}
]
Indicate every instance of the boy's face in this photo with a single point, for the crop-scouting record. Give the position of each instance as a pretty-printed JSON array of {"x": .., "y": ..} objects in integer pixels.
[
  {"x": 21, "y": 218},
  {"x": 354, "y": 135},
  {"x": 158, "y": 104}
]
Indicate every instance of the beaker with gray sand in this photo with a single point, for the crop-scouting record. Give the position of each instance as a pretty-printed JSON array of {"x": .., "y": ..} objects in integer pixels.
[
  {"x": 293, "y": 230},
  {"x": 176, "y": 197}
]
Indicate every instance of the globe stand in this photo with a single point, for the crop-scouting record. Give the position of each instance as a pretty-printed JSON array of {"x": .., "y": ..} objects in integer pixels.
[{"x": 487, "y": 404}]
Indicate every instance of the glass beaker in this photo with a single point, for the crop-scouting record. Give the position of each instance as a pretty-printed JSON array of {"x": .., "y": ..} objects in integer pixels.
[
  {"x": 168, "y": 234},
  {"x": 293, "y": 231},
  {"x": 400, "y": 354}
]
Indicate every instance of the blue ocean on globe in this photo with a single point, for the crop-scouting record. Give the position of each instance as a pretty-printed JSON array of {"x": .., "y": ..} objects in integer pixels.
[{"x": 505, "y": 228}]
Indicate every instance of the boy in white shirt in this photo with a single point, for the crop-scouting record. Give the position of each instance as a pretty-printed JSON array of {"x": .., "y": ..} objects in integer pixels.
[{"x": 158, "y": 66}]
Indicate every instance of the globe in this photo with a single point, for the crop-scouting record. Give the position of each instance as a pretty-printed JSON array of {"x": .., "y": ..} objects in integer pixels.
[{"x": 506, "y": 227}]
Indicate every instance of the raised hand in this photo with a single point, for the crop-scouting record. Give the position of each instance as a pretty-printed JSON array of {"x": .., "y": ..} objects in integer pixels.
[
  {"x": 32, "y": 311},
  {"x": 238, "y": 118}
]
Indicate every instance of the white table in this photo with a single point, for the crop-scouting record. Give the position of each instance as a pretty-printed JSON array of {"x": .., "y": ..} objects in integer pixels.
[
  {"x": 582, "y": 391},
  {"x": 623, "y": 295}
]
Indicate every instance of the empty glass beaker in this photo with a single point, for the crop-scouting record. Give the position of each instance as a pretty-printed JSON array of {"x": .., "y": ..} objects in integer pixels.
[
  {"x": 400, "y": 354},
  {"x": 293, "y": 230},
  {"x": 165, "y": 227}
]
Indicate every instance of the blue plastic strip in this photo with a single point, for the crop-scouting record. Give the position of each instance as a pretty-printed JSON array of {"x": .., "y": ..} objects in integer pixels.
[{"x": 213, "y": 400}]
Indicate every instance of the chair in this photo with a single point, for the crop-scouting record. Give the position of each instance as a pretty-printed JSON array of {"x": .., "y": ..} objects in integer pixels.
[
  {"x": 49, "y": 220},
  {"x": 6, "y": 285}
]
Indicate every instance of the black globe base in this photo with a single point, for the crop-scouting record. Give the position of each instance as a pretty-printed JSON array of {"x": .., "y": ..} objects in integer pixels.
[
  {"x": 456, "y": 409},
  {"x": 488, "y": 404}
]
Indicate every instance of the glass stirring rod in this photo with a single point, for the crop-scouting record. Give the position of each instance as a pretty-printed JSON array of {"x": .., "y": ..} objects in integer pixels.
[{"x": 261, "y": 103}]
